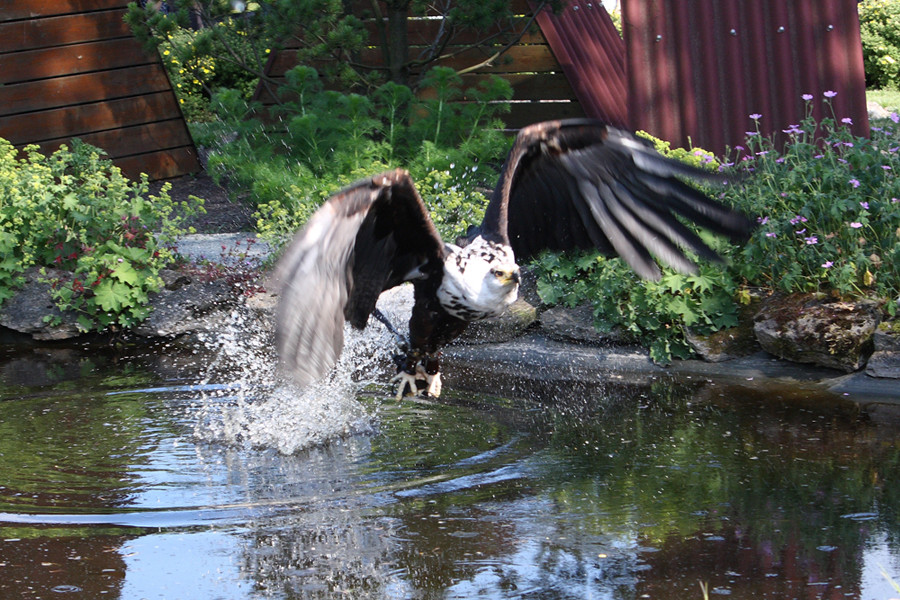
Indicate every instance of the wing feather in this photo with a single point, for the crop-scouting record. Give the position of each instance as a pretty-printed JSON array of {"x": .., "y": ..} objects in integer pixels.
[
  {"x": 581, "y": 183},
  {"x": 363, "y": 240}
]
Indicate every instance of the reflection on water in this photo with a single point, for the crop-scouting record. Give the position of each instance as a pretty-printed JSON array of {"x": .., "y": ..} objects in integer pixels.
[{"x": 109, "y": 488}]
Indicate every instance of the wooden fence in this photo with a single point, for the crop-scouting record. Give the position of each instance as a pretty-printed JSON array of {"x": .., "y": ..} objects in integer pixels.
[
  {"x": 71, "y": 68},
  {"x": 542, "y": 87}
]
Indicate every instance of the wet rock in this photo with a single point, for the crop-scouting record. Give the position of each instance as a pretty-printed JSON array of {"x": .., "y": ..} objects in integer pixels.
[
  {"x": 510, "y": 325},
  {"x": 885, "y": 360},
  {"x": 823, "y": 332},
  {"x": 728, "y": 344},
  {"x": 25, "y": 312},
  {"x": 197, "y": 306},
  {"x": 565, "y": 324}
]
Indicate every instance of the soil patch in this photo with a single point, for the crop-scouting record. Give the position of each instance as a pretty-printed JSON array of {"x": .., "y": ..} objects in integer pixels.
[{"x": 224, "y": 214}]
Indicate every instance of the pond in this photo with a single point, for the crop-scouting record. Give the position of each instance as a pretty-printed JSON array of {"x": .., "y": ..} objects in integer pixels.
[{"x": 144, "y": 474}]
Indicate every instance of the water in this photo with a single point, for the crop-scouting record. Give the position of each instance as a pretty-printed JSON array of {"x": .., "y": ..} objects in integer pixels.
[{"x": 175, "y": 474}]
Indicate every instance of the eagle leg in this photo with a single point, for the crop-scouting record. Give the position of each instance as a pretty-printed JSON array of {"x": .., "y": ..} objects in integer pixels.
[{"x": 418, "y": 373}]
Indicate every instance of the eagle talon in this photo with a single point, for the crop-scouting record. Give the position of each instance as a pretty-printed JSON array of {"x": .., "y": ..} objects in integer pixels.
[{"x": 405, "y": 380}]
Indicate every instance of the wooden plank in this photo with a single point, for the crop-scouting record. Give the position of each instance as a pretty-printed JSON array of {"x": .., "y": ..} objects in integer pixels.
[
  {"x": 81, "y": 89},
  {"x": 11, "y": 10},
  {"x": 70, "y": 60},
  {"x": 129, "y": 141},
  {"x": 164, "y": 164},
  {"x": 71, "y": 121},
  {"x": 526, "y": 113},
  {"x": 519, "y": 59},
  {"x": 57, "y": 31},
  {"x": 532, "y": 86}
]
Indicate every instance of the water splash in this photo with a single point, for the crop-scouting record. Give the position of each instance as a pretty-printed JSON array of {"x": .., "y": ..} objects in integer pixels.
[{"x": 247, "y": 402}]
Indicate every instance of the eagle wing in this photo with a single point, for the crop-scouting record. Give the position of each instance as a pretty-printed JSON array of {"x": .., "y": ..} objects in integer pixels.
[
  {"x": 584, "y": 184},
  {"x": 365, "y": 239}
]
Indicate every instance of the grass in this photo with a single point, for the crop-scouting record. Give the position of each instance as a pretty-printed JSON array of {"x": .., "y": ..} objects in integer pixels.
[{"x": 889, "y": 99}]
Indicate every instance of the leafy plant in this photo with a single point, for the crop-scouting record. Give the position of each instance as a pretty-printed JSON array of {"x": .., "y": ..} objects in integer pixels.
[
  {"x": 655, "y": 313},
  {"x": 828, "y": 206},
  {"x": 879, "y": 23},
  {"x": 100, "y": 238},
  {"x": 324, "y": 140}
]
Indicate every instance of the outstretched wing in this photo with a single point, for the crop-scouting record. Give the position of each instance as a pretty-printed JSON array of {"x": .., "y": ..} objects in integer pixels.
[
  {"x": 583, "y": 184},
  {"x": 365, "y": 239}
]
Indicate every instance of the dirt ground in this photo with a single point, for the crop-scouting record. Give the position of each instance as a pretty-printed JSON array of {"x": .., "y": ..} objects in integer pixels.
[{"x": 223, "y": 214}]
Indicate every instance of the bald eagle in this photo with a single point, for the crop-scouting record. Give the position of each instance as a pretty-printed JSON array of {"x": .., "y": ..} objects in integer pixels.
[{"x": 566, "y": 184}]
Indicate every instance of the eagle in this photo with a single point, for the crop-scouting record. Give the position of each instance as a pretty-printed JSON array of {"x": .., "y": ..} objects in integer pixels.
[{"x": 569, "y": 184}]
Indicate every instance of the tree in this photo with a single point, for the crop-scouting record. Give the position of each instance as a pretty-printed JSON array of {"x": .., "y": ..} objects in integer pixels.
[{"x": 360, "y": 43}]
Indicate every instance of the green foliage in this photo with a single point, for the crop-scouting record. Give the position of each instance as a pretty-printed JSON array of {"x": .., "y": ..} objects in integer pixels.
[
  {"x": 655, "y": 313},
  {"x": 829, "y": 209},
  {"x": 327, "y": 140},
  {"x": 102, "y": 235},
  {"x": 230, "y": 52},
  {"x": 879, "y": 22}
]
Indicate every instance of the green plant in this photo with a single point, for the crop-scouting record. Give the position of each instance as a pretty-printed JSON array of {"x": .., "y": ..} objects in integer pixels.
[
  {"x": 655, "y": 313},
  {"x": 879, "y": 22},
  {"x": 100, "y": 238},
  {"x": 328, "y": 139},
  {"x": 828, "y": 205}
]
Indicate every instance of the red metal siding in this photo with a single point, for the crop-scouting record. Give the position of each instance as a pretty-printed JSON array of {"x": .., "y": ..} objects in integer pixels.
[
  {"x": 698, "y": 68},
  {"x": 592, "y": 55}
]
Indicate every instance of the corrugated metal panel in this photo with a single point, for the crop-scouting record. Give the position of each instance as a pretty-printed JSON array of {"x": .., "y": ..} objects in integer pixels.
[
  {"x": 698, "y": 68},
  {"x": 592, "y": 55}
]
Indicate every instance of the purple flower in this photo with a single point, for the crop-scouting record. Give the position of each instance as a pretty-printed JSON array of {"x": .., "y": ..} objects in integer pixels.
[
  {"x": 801, "y": 232},
  {"x": 886, "y": 167},
  {"x": 864, "y": 204},
  {"x": 830, "y": 94},
  {"x": 793, "y": 129},
  {"x": 847, "y": 120},
  {"x": 895, "y": 200},
  {"x": 827, "y": 264},
  {"x": 855, "y": 224},
  {"x": 798, "y": 219},
  {"x": 895, "y": 117},
  {"x": 807, "y": 97},
  {"x": 751, "y": 133},
  {"x": 779, "y": 160},
  {"x": 811, "y": 240},
  {"x": 771, "y": 234},
  {"x": 819, "y": 156},
  {"x": 756, "y": 116},
  {"x": 762, "y": 220},
  {"x": 854, "y": 183}
]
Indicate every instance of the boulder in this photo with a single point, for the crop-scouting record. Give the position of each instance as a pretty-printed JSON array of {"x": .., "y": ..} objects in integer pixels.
[
  {"x": 576, "y": 324},
  {"x": 821, "y": 331},
  {"x": 25, "y": 312},
  {"x": 191, "y": 307},
  {"x": 885, "y": 360}
]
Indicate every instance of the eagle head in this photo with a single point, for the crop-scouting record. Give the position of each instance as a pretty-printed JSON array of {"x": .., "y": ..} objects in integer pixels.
[{"x": 480, "y": 280}]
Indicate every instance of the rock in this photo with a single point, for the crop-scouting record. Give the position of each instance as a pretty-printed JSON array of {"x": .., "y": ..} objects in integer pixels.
[
  {"x": 808, "y": 329},
  {"x": 577, "y": 325},
  {"x": 25, "y": 311},
  {"x": 507, "y": 326},
  {"x": 885, "y": 360},
  {"x": 193, "y": 307},
  {"x": 728, "y": 344},
  {"x": 877, "y": 111}
]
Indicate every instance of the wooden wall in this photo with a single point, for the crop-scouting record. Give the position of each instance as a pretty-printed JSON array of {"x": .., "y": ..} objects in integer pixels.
[
  {"x": 541, "y": 88},
  {"x": 71, "y": 68}
]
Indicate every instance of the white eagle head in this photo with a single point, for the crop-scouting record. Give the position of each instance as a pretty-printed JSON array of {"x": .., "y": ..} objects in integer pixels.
[{"x": 480, "y": 280}]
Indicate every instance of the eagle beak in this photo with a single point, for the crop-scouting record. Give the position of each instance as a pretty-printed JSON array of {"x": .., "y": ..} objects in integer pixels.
[{"x": 507, "y": 276}]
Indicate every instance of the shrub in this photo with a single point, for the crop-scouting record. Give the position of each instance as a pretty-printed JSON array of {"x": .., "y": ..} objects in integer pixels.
[
  {"x": 879, "y": 22},
  {"x": 74, "y": 212},
  {"x": 828, "y": 206},
  {"x": 325, "y": 140}
]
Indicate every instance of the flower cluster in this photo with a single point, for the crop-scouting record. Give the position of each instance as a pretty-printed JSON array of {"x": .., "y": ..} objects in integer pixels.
[{"x": 827, "y": 204}]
